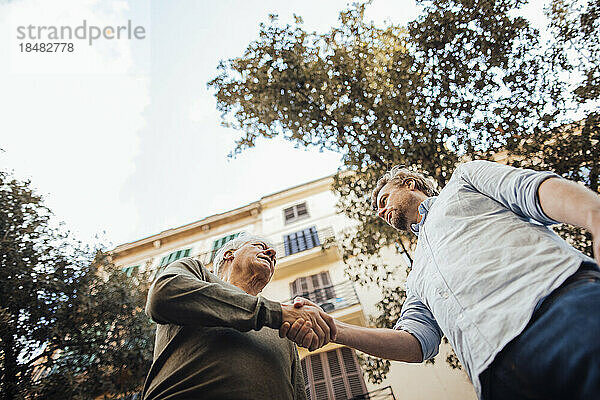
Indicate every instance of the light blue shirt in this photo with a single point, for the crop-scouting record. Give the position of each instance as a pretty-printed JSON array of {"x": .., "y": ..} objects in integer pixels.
[{"x": 484, "y": 258}]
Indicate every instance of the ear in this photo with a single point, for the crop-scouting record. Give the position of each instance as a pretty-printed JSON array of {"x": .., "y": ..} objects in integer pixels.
[
  {"x": 228, "y": 255},
  {"x": 410, "y": 183}
]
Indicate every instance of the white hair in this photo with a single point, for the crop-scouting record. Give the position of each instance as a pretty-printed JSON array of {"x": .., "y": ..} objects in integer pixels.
[{"x": 235, "y": 244}]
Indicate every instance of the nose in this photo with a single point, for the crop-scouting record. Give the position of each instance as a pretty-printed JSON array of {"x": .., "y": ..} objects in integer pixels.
[
  {"x": 271, "y": 252},
  {"x": 381, "y": 213}
]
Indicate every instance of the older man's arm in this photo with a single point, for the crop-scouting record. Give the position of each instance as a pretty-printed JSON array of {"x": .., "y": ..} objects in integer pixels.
[{"x": 181, "y": 295}]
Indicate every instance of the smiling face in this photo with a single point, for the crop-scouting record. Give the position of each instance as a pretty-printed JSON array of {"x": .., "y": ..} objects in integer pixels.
[
  {"x": 253, "y": 262},
  {"x": 397, "y": 204}
]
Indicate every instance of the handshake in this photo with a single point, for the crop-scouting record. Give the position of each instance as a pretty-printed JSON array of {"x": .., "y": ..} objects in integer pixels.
[{"x": 307, "y": 324}]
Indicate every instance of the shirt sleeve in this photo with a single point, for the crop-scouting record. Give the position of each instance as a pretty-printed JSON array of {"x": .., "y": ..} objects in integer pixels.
[
  {"x": 417, "y": 320},
  {"x": 515, "y": 188},
  {"x": 181, "y": 295}
]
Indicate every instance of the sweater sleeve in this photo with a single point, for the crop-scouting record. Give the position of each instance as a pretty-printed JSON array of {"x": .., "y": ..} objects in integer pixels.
[
  {"x": 298, "y": 377},
  {"x": 181, "y": 295}
]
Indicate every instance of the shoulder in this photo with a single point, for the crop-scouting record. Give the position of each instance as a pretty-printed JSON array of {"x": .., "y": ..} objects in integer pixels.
[
  {"x": 470, "y": 166},
  {"x": 191, "y": 267}
]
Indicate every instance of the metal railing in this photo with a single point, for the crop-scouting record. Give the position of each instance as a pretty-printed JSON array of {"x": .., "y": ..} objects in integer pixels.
[
  {"x": 324, "y": 237},
  {"x": 385, "y": 393},
  {"x": 330, "y": 298}
]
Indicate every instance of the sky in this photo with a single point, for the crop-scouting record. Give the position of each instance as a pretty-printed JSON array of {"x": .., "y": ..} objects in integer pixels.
[{"x": 122, "y": 137}]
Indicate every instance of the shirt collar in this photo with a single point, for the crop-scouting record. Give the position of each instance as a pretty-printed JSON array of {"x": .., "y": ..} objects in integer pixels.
[{"x": 423, "y": 210}]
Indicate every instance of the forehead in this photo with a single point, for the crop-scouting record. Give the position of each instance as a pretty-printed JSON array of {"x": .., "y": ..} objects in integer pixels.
[
  {"x": 386, "y": 189},
  {"x": 255, "y": 241}
]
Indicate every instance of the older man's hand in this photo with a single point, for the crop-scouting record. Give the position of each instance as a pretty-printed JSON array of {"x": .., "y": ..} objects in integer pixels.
[{"x": 307, "y": 324}]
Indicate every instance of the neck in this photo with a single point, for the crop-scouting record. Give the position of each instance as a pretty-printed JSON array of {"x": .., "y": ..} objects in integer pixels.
[
  {"x": 250, "y": 284},
  {"x": 251, "y": 287},
  {"x": 418, "y": 217},
  {"x": 421, "y": 197}
]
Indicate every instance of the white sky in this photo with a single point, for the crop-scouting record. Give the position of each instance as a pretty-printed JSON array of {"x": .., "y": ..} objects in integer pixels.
[{"x": 124, "y": 137}]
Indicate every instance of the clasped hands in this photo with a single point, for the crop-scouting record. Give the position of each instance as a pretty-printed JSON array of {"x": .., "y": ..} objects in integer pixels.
[{"x": 307, "y": 324}]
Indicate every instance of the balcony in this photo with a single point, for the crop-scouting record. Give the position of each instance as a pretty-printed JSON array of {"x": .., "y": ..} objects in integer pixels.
[
  {"x": 385, "y": 393},
  {"x": 331, "y": 298}
]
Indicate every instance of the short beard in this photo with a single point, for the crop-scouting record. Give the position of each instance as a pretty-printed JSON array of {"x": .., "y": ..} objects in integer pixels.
[
  {"x": 399, "y": 221},
  {"x": 399, "y": 218}
]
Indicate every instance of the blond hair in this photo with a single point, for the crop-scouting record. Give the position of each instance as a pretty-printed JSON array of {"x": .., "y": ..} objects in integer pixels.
[{"x": 398, "y": 175}]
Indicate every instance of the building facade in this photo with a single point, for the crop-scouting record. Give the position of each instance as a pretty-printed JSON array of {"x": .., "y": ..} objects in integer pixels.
[{"x": 305, "y": 229}]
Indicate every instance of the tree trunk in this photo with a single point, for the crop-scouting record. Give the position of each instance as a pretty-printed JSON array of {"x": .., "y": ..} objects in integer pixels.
[{"x": 9, "y": 378}]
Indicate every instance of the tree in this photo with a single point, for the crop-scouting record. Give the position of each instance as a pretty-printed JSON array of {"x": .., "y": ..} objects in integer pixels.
[
  {"x": 466, "y": 79},
  {"x": 572, "y": 75},
  {"x": 70, "y": 324}
]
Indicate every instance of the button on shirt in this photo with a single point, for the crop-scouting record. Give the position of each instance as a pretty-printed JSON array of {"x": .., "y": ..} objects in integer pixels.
[{"x": 484, "y": 258}]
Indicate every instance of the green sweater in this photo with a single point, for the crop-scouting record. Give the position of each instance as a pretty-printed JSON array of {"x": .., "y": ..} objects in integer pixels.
[{"x": 215, "y": 341}]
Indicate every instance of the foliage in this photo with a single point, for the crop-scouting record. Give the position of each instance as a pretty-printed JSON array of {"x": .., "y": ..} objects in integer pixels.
[
  {"x": 572, "y": 73},
  {"x": 70, "y": 325},
  {"x": 466, "y": 79}
]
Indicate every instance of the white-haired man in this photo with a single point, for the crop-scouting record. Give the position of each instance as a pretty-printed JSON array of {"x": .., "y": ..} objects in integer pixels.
[
  {"x": 216, "y": 337},
  {"x": 518, "y": 304}
]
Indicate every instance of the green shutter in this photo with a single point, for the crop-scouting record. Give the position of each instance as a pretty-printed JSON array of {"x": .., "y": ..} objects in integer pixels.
[
  {"x": 130, "y": 270},
  {"x": 217, "y": 244},
  {"x": 176, "y": 255}
]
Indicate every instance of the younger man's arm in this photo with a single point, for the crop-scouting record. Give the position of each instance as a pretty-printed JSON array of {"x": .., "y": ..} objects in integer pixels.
[
  {"x": 380, "y": 342},
  {"x": 415, "y": 338},
  {"x": 574, "y": 204}
]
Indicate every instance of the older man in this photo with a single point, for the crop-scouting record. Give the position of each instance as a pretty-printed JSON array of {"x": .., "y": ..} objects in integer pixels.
[
  {"x": 216, "y": 337},
  {"x": 518, "y": 304}
]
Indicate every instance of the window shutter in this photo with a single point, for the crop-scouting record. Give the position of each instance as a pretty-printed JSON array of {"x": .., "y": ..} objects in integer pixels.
[
  {"x": 329, "y": 291},
  {"x": 294, "y": 289},
  {"x": 301, "y": 240},
  {"x": 317, "y": 288},
  {"x": 295, "y": 212},
  {"x": 318, "y": 295},
  {"x": 333, "y": 375},
  {"x": 306, "y": 380},
  {"x": 354, "y": 375},
  {"x": 131, "y": 270},
  {"x": 217, "y": 244},
  {"x": 337, "y": 379},
  {"x": 176, "y": 255},
  {"x": 304, "y": 286},
  {"x": 319, "y": 379},
  {"x": 289, "y": 214},
  {"x": 301, "y": 210}
]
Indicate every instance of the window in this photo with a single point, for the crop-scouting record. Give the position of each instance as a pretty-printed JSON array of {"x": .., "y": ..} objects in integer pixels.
[
  {"x": 316, "y": 288},
  {"x": 131, "y": 270},
  {"x": 301, "y": 240},
  {"x": 333, "y": 375},
  {"x": 295, "y": 213},
  {"x": 217, "y": 244},
  {"x": 176, "y": 255}
]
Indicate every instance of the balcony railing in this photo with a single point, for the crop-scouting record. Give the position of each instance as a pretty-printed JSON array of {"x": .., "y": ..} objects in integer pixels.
[
  {"x": 330, "y": 298},
  {"x": 323, "y": 237},
  {"x": 385, "y": 393}
]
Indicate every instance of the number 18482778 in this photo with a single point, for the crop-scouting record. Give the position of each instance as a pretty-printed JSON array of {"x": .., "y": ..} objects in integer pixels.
[{"x": 49, "y": 47}]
